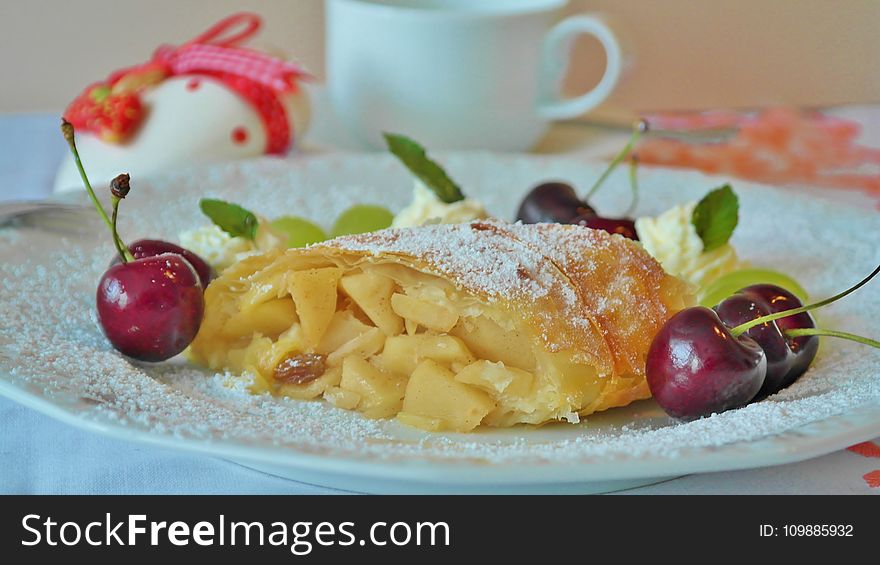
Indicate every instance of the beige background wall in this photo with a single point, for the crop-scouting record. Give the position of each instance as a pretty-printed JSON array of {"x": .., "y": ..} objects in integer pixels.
[
  {"x": 687, "y": 53},
  {"x": 51, "y": 49}
]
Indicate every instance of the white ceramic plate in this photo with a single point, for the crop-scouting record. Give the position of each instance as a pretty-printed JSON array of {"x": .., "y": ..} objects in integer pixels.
[{"x": 54, "y": 358}]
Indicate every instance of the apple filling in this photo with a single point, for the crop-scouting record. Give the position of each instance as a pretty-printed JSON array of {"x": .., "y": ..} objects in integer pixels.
[{"x": 387, "y": 340}]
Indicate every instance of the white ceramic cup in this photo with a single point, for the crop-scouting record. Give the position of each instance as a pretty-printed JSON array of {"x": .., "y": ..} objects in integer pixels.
[{"x": 458, "y": 74}]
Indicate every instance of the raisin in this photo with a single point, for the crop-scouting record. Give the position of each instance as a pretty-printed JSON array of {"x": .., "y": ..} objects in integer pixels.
[{"x": 300, "y": 368}]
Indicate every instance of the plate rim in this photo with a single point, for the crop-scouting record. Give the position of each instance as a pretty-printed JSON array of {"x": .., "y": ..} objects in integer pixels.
[{"x": 789, "y": 447}]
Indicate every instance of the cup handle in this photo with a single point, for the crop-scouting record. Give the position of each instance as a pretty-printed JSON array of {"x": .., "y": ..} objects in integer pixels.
[{"x": 555, "y": 57}]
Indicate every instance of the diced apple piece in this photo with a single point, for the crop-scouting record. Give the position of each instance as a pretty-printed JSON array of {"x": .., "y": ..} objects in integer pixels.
[
  {"x": 249, "y": 360},
  {"x": 446, "y": 350},
  {"x": 433, "y": 393},
  {"x": 402, "y": 353},
  {"x": 488, "y": 340},
  {"x": 372, "y": 293},
  {"x": 314, "y": 293},
  {"x": 432, "y": 316},
  {"x": 236, "y": 357},
  {"x": 290, "y": 342},
  {"x": 269, "y": 318},
  {"x": 578, "y": 382},
  {"x": 429, "y": 424},
  {"x": 381, "y": 392},
  {"x": 267, "y": 284},
  {"x": 258, "y": 349},
  {"x": 496, "y": 378},
  {"x": 344, "y": 327},
  {"x": 246, "y": 267},
  {"x": 341, "y": 398},
  {"x": 404, "y": 275},
  {"x": 312, "y": 389},
  {"x": 365, "y": 345}
]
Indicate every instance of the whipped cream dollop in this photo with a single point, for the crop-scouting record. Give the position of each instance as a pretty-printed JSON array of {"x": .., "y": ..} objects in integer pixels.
[
  {"x": 672, "y": 239},
  {"x": 426, "y": 208},
  {"x": 216, "y": 246},
  {"x": 222, "y": 250}
]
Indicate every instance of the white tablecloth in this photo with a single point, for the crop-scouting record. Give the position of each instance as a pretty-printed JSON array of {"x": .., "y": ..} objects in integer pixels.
[{"x": 41, "y": 455}]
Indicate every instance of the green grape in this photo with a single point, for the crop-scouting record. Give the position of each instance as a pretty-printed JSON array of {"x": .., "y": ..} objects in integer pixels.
[
  {"x": 362, "y": 218},
  {"x": 725, "y": 285},
  {"x": 299, "y": 231}
]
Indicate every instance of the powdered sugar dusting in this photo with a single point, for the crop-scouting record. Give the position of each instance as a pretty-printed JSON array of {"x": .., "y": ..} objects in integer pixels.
[
  {"x": 476, "y": 255},
  {"x": 51, "y": 346}
]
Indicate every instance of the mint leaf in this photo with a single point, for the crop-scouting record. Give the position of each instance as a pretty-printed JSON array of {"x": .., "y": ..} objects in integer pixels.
[
  {"x": 231, "y": 218},
  {"x": 428, "y": 171},
  {"x": 715, "y": 217}
]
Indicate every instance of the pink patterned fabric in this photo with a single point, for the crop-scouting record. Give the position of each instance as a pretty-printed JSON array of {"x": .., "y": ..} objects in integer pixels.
[
  {"x": 255, "y": 76},
  {"x": 278, "y": 75}
]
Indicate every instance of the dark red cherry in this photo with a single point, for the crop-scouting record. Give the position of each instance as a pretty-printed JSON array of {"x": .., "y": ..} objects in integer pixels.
[
  {"x": 622, "y": 226},
  {"x": 804, "y": 348},
  {"x": 743, "y": 307},
  {"x": 695, "y": 367},
  {"x": 151, "y": 309},
  {"x": 152, "y": 247},
  {"x": 552, "y": 202}
]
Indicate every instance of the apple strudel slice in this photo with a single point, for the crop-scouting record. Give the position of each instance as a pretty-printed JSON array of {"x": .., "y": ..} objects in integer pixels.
[{"x": 447, "y": 326}]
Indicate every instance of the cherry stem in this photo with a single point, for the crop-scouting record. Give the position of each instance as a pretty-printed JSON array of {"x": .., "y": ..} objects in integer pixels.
[
  {"x": 639, "y": 128},
  {"x": 124, "y": 252},
  {"x": 633, "y": 184},
  {"x": 742, "y": 328},
  {"x": 798, "y": 332},
  {"x": 69, "y": 135}
]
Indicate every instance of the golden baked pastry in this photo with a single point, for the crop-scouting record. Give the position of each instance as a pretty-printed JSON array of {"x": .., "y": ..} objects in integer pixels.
[{"x": 446, "y": 326}]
